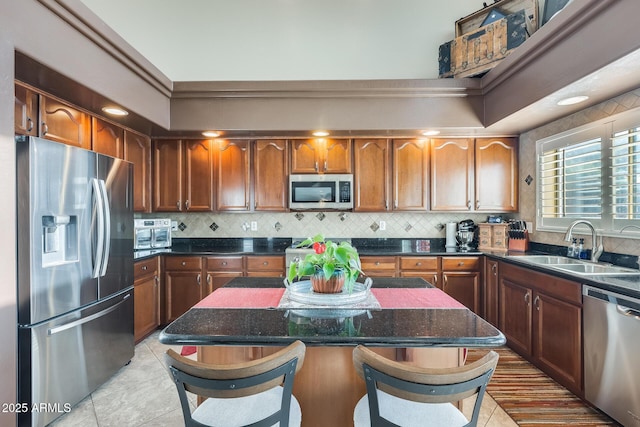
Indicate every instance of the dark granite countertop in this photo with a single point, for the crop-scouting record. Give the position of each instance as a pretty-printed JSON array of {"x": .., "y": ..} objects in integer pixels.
[{"x": 428, "y": 327}]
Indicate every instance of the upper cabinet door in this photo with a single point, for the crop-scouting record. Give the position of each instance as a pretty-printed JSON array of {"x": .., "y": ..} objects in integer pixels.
[
  {"x": 167, "y": 175},
  {"x": 137, "y": 150},
  {"x": 107, "y": 138},
  {"x": 305, "y": 156},
  {"x": 270, "y": 175},
  {"x": 26, "y": 111},
  {"x": 410, "y": 174},
  {"x": 336, "y": 156},
  {"x": 496, "y": 174},
  {"x": 233, "y": 176},
  {"x": 451, "y": 174},
  {"x": 372, "y": 176},
  {"x": 198, "y": 175},
  {"x": 63, "y": 123}
]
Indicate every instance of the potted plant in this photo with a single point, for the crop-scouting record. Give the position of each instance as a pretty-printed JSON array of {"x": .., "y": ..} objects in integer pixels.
[{"x": 330, "y": 267}]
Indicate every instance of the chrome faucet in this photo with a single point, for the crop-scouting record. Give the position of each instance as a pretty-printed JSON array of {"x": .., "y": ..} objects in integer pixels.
[{"x": 596, "y": 251}]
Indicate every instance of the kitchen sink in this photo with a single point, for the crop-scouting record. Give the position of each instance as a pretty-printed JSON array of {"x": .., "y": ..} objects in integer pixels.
[
  {"x": 576, "y": 266},
  {"x": 547, "y": 259}
]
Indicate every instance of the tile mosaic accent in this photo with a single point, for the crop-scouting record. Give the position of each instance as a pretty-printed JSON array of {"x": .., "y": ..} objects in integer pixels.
[
  {"x": 342, "y": 216},
  {"x": 299, "y": 216},
  {"x": 528, "y": 179},
  {"x": 213, "y": 226},
  {"x": 408, "y": 227},
  {"x": 277, "y": 226},
  {"x": 321, "y": 216},
  {"x": 182, "y": 226},
  {"x": 374, "y": 226}
]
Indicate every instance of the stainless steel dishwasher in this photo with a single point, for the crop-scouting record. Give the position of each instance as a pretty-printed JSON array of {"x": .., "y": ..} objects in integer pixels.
[{"x": 612, "y": 353}]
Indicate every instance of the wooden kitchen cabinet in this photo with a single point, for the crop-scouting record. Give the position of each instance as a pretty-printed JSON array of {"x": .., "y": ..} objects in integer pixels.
[
  {"x": 221, "y": 269},
  {"x": 410, "y": 175},
  {"x": 266, "y": 266},
  {"x": 452, "y": 174},
  {"x": 233, "y": 175},
  {"x": 321, "y": 155},
  {"x": 183, "y": 283},
  {"x": 379, "y": 266},
  {"x": 271, "y": 170},
  {"x": 63, "y": 123},
  {"x": 183, "y": 176},
  {"x": 426, "y": 267},
  {"x": 26, "y": 111},
  {"x": 107, "y": 138},
  {"x": 491, "y": 286},
  {"x": 541, "y": 316},
  {"x": 496, "y": 174},
  {"x": 461, "y": 280},
  {"x": 137, "y": 150},
  {"x": 146, "y": 291},
  {"x": 372, "y": 175}
]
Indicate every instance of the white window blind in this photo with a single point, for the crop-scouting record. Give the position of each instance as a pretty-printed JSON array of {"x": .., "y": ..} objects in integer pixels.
[
  {"x": 571, "y": 180},
  {"x": 625, "y": 174}
]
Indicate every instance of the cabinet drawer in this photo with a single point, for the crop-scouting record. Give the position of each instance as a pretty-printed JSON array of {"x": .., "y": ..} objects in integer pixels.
[
  {"x": 147, "y": 267},
  {"x": 378, "y": 263},
  {"x": 460, "y": 263},
  {"x": 419, "y": 263},
  {"x": 265, "y": 263},
  {"x": 229, "y": 263},
  {"x": 183, "y": 263}
]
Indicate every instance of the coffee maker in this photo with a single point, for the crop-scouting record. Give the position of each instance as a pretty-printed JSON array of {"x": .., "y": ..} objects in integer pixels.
[{"x": 466, "y": 235}]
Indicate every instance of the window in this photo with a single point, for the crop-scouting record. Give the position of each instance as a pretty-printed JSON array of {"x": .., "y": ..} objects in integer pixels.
[{"x": 592, "y": 172}]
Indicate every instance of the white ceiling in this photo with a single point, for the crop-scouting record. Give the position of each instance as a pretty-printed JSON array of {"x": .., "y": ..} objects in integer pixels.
[{"x": 247, "y": 40}]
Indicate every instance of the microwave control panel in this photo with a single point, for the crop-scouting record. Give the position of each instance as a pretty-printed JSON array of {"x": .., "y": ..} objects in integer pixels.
[{"x": 345, "y": 191}]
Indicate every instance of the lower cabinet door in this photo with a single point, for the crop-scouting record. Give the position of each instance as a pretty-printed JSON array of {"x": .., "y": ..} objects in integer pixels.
[
  {"x": 464, "y": 287},
  {"x": 515, "y": 316},
  {"x": 146, "y": 307},
  {"x": 184, "y": 290}
]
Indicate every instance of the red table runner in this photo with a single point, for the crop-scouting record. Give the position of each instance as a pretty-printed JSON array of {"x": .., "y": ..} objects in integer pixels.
[{"x": 387, "y": 297}]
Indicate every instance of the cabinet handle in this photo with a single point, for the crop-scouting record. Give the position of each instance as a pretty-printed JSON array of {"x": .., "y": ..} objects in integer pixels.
[
  {"x": 144, "y": 267},
  {"x": 469, "y": 204},
  {"x": 316, "y": 166},
  {"x": 265, "y": 263},
  {"x": 395, "y": 204},
  {"x": 444, "y": 281},
  {"x": 208, "y": 279},
  {"x": 223, "y": 263},
  {"x": 526, "y": 298},
  {"x": 187, "y": 205},
  {"x": 536, "y": 302},
  {"x": 435, "y": 279},
  {"x": 29, "y": 124},
  {"x": 325, "y": 165},
  {"x": 178, "y": 205},
  {"x": 418, "y": 264},
  {"x": 494, "y": 269},
  {"x": 377, "y": 262},
  {"x": 477, "y": 204},
  {"x": 183, "y": 263},
  {"x": 461, "y": 263},
  {"x": 199, "y": 279},
  {"x": 386, "y": 204},
  {"x": 45, "y": 128}
]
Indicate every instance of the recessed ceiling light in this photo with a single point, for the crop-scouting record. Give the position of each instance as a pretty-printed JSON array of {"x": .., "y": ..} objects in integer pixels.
[
  {"x": 115, "y": 111},
  {"x": 573, "y": 100},
  {"x": 320, "y": 133},
  {"x": 430, "y": 132},
  {"x": 211, "y": 133}
]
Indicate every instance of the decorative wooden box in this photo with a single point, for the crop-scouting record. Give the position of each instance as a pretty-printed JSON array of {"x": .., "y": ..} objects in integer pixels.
[
  {"x": 479, "y": 47},
  {"x": 493, "y": 237}
]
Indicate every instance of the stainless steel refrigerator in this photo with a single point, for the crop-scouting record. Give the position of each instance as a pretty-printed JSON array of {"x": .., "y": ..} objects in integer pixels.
[{"x": 75, "y": 274}]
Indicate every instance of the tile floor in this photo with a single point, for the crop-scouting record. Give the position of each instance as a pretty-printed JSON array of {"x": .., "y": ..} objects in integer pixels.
[{"x": 142, "y": 394}]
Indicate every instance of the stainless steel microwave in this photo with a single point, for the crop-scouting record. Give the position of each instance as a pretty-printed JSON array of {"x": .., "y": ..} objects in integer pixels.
[
  {"x": 331, "y": 191},
  {"x": 152, "y": 233}
]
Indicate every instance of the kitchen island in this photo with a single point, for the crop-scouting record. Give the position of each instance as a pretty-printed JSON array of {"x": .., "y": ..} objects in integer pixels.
[{"x": 415, "y": 323}]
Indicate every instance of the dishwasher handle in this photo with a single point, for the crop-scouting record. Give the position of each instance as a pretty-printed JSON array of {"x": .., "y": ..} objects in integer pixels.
[{"x": 629, "y": 312}]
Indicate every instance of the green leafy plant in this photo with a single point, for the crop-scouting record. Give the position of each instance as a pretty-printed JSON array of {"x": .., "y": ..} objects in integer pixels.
[{"x": 328, "y": 257}]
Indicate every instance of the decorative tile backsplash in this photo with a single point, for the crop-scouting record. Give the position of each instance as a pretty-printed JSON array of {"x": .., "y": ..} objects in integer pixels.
[{"x": 304, "y": 224}]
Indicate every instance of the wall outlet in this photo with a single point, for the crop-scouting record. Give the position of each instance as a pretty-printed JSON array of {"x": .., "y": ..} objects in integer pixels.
[
  {"x": 254, "y": 225},
  {"x": 383, "y": 225},
  {"x": 174, "y": 225}
]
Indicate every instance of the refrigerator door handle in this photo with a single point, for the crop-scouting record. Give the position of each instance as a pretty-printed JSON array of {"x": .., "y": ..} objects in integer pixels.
[
  {"x": 107, "y": 227},
  {"x": 99, "y": 213},
  {"x": 87, "y": 319}
]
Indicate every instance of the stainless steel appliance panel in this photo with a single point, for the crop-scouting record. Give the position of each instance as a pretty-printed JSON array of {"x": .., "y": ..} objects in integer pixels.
[
  {"x": 55, "y": 259},
  {"x": 73, "y": 355},
  {"x": 116, "y": 271},
  {"x": 611, "y": 349},
  {"x": 328, "y": 191}
]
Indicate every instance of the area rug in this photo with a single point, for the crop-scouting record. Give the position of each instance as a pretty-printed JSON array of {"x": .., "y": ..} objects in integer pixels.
[{"x": 531, "y": 398}]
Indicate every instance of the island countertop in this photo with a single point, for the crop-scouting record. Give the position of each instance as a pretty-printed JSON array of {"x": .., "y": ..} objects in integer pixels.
[{"x": 433, "y": 319}]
